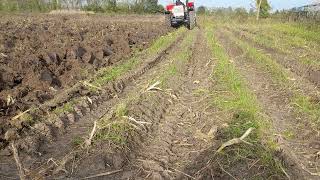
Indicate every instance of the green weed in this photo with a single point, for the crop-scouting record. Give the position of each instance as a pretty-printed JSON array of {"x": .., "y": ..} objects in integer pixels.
[
  {"x": 65, "y": 108},
  {"x": 285, "y": 44},
  {"x": 281, "y": 77},
  {"x": 121, "y": 110},
  {"x": 117, "y": 131},
  {"x": 181, "y": 56},
  {"x": 305, "y": 105},
  {"x": 111, "y": 73},
  {"x": 247, "y": 113},
  {"x": 108, "y": 74},
  {"x": 275, "y": 69},
  {"x": 77, "y": 141}
]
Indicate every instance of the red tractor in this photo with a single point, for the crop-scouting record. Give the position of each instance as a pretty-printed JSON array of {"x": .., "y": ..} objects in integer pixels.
[{"x": 178, "y": 13}]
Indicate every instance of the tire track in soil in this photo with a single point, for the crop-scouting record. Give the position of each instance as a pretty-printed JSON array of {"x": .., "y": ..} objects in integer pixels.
[
  {"x": 299, "y": 153},
  {"x": 186, "y": 128},
  {"x": 57, "y": 143}
]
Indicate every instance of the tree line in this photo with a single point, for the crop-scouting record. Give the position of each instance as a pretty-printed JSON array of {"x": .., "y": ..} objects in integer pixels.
[
  {"x": 125, "y": 6},
  {"x": 262, "y": 9}
]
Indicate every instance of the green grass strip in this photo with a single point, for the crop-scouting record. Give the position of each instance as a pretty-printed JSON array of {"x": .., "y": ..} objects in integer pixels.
[
  {"x": 247, "y": 113},
  {"x": 265, "y": 61},
  {"x": 302, "y": 103},
  {"x": 297, "y": 30},
  {"x": 284, "y": 43},
  {"x": 181, "y": 55},
  {"x": 118, "y": 131},
  {"x": 111, "y": 73},
  {"x": 263, "y": 40}
]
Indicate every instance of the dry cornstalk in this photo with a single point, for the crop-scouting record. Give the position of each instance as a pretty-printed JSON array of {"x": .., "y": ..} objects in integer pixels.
[
  {"x": 183, "y": 173},
  {"x": 103, "y": 174},
  {"x": 236, "y": 141},
  {"x": 153, "y": 86},
  {"x": 10, "y": 100},
  {"x": 3, "y": 55},
  {"x": 93, "y": 131},
  {"x": 89, "y": 100},
  {"x": 21, "y": 114},
  {"x": 85, "y": 83},
  {"x": 140, "y": 123},
  {"x": 18, "y": 162}
]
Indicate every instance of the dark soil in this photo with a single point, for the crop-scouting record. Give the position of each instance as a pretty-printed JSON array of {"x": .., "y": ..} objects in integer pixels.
[
  {"x": 41, "y": 55},
  {"x": 54, "y": 138}
]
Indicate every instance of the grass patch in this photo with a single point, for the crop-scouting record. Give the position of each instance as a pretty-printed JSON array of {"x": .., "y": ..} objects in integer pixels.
[
  {"x": 121, "y": 110},
  {"x": 302, "y": 103},
  {"x": 285, "y": 44},
  {"x": 181, "y": 56},
  {"x": 296, "y": 30},
  {"x": 65, "y": 108},
  {"x": 308, "y": 106},
  {"x": 310, "y": 61},
  {"x": 263, "y": 60},
  {"x": 108, "y": 74},
  {"x": 241, "y": 102},
  {"x": 77, "y": 141},
  {"x": 118, "y": 130},
  {"x": 112, "y": 73},
  {"x": 266, "y": 41}
]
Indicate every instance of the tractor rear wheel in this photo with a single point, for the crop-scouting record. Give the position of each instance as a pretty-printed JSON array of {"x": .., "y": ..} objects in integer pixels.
[{"x": 191, "y": 20}]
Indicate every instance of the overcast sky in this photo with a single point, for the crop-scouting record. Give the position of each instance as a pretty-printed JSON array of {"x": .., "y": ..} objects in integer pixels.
[{"x": 276, "y": 4}]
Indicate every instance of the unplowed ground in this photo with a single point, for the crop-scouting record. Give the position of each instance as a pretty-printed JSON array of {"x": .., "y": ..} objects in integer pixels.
[{"x": 162, "y": 120}]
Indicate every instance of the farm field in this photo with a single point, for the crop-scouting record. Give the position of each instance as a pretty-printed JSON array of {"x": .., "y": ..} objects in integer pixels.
[{"x": 126, "y": 97}]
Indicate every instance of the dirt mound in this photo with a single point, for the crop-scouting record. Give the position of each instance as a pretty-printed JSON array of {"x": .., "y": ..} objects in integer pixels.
[{"x": 43, "y": 55}]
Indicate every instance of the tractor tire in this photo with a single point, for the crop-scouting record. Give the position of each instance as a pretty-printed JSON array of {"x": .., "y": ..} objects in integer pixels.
[
  {"x": 191, "y": 20},
  {"x": 168, "y": 20}
]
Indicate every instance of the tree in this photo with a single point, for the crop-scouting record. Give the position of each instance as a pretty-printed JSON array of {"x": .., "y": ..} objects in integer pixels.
[
  {"x": 201, "y": 10},
  {"x": 263, "y": 8},
  {"x": 151, "y": 6}
]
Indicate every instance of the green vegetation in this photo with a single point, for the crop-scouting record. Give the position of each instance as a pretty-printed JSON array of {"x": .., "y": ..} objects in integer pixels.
[
  {"x": 297, "y": 30},
  {"x": 29, "y": 5},
  {"x": 77, "y": 141},
  {"x": 129, "y": 6},
  {"x": 119, "y": 129},
  {"x": 302, "y": 102},
  {"x": 27, "y": 118},
  {"x": 283, "y": 43},
  {"x": 65, "y": 108},
  {"x": 179, "y": 57},
  {"x": 247, "y": 113},
  {"x": 121, "y": 110},
  {"x": 116, "y": 132},
  {"x": 307, "y": 105},
  {"x": 264, "y": 8},
  {"x": 265, "y": 41},
  {"x": 108, "y": 74},
  {"x": 101, "y": 6},
  {"x": 276, "y": 70}
]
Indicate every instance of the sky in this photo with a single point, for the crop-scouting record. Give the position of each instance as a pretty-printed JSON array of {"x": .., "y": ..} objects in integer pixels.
[{"x": 276, "y": 4}]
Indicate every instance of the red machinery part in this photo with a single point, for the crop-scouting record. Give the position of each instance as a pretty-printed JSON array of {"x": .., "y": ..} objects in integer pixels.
[
  {"x": 170, "y": 7},
  {"x": 190, "y": 4}
]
